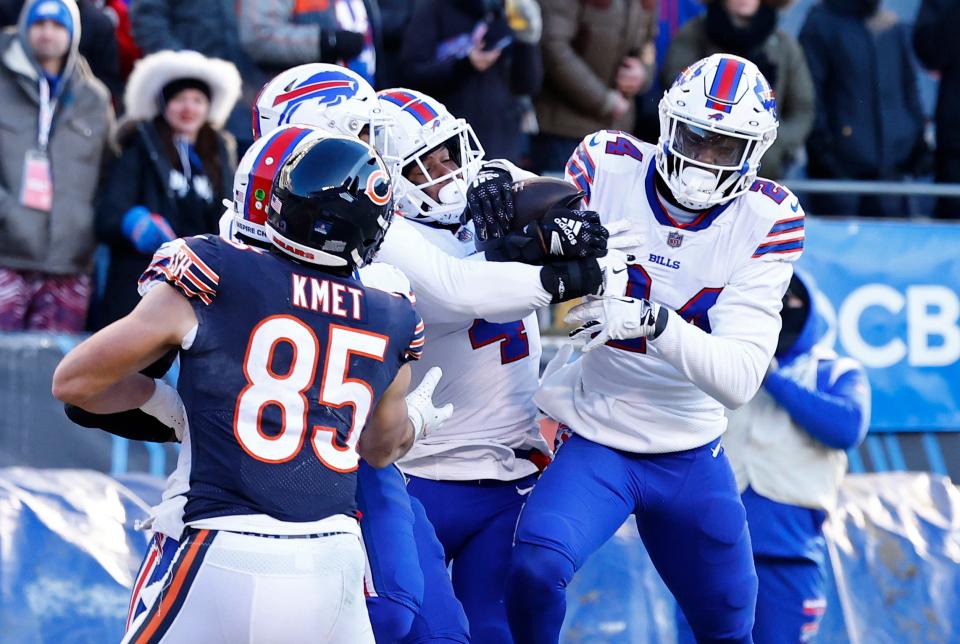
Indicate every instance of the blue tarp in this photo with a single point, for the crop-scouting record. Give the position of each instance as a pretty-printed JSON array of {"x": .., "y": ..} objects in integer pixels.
[
  {"x": 894, "y": 574},
  {"x": 69, "y": 553}
]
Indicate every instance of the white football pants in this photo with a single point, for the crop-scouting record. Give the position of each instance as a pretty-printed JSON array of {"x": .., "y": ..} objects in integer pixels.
[{"x": 235, "y": 588}]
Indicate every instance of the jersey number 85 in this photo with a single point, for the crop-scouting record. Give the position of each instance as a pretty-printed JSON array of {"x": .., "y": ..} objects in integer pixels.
[{"x": 288, "y": 391}]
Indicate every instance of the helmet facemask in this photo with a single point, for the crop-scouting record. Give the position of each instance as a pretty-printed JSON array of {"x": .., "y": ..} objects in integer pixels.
[
  {"x": 716, "y": 121},
  {"x": 705, "y": 165},
  {"x": 465, "y": 152}
]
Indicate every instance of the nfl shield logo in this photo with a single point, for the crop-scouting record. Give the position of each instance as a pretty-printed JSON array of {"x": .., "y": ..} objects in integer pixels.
[{"x": 674, "y": 239}]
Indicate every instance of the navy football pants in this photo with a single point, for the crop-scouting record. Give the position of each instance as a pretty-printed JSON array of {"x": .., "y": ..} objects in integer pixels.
[
  {"x": 474, "y": 521},
  {"x": 689, "y": 516}
]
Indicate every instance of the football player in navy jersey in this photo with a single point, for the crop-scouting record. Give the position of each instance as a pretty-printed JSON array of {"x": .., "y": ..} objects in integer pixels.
[{"x": 278, "y": 349}]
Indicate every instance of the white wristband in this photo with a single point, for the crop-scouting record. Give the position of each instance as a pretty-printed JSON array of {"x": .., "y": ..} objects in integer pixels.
[{"x": 416, "y": 418}]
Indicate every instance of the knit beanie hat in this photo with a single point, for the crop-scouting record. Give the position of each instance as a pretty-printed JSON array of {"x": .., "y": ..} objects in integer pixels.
[{"x": 54, "y": 10}]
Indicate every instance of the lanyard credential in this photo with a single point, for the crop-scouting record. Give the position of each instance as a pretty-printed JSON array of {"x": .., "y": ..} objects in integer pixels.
[{"x": 45, "y": 120}]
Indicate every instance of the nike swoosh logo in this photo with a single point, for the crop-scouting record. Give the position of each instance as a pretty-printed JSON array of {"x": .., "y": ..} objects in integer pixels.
[
  {"x": 593, "y": 139},
  {"x": 523, "y": 491},
  {"x": 616, "y": 272},
  {"x": 795, "y": 206},
  {"x": 716, "y": 450}
]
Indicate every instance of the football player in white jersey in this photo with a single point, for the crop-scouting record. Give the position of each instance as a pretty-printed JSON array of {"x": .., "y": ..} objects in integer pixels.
[
  {"x": 644, "y": 405},
  {"x": 430, "y": 246}
]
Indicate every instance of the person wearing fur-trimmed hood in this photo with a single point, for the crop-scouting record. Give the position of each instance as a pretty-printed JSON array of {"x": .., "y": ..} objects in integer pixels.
[{"x": 176, "y": 165}]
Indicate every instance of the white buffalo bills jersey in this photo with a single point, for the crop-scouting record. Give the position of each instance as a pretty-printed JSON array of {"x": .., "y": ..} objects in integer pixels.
[
  {"x": 490, "y": 372},
  {"x": 722, "y": 276}
]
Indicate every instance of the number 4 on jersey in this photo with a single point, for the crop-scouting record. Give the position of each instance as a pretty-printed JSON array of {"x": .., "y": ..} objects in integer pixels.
[
  {"x": 512, "y": 337},
  {"x": 694, "y": 311}
]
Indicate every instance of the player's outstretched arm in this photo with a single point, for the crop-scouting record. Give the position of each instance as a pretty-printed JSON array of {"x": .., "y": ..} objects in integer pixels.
[
  {"x": 729, "y": 362},
  {"x": 389, "y": 434},
  {"x": 401, "y": 418},
  {"x": 100, "y": 374}
]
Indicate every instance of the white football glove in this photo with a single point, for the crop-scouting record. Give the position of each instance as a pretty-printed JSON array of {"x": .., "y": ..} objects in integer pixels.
[
  {"x": 615, "y": 318},
  {"x": 623, "y": 249},
  {"x": 420, "y": 409},
  {"x": 165, "y": 405},
  {"x": 624, "y": 236},
  {"x": 613, "y": 267}
]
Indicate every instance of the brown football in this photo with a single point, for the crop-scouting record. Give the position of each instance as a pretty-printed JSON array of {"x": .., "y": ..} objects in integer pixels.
[{"x": 534, "y": 197}]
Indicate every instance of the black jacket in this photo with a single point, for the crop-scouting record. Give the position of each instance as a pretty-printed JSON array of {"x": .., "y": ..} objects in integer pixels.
[
  {"x": 937, "y": 45},
  {"x": 486, "y": 100},
  {"x": 869, "y": 123},
  {"x": 141, "y": 177}
]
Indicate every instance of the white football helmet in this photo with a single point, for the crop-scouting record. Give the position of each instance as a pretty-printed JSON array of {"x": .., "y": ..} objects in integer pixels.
[
  {"x": 327, "y": 96},
  {"x": 716, "y": 121},
  {"x": 253, "y": 180},
  {"x": 420, "y": 124}
]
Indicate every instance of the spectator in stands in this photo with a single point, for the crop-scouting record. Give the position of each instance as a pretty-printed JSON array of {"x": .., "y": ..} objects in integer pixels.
[
  {"x": 869, "y": 123},
  {"x": 209, "y": 27},
  {"x": 54, "y": 127},
  {"x": 175, "y": 169},
  {"x": 464, "y": 53},
  {"x": 98, "y": 45},
  {"x": 748, "y": 28},
  {"x": 937, "y": 45},
  {"x": 597, "y": 56},
  {"x": 395, "y": 15},
  {"x": 673, "y": 14},
  {"x": 280, "y": 34},
  {"x": 788, "y": 451},
  {"x": 127, "y": 49}
]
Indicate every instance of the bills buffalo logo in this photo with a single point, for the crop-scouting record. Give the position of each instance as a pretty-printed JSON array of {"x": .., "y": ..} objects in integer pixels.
[
  {"x": 689, "y": 73},
  {"x": 716, "y": 116},
  {"x": 765, "y": 95},
  {"x": 674, "y": 239},
  {"x": 327, "y": 88},
  {"x": 378, "y": 187}
]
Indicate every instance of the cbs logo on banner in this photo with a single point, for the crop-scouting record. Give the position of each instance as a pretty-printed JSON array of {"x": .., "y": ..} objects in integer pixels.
[{"x": 932, "y": 336}]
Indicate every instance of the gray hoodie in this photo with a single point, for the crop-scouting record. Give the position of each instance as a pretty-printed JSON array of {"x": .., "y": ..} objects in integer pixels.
[{"x": 60, "y": 241}]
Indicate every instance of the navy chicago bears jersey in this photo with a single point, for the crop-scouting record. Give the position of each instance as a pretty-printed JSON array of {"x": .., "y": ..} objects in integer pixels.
[{"x": 286, "y": 367}]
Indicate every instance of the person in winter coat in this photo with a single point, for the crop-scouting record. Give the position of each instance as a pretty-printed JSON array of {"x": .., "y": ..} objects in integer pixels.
[
  {"x": 938, "y": 48},
  {"x": 54, "y": 128},
  {"x": 98, "y": 46},
  {"x": 211, "y": 28},
  {"x": 869, "y": 122},
  {"x": 788, "y": 451},
  {"x": 279, "y": 34},
  {"x": 464, "y": 53},
  {"x": 748, "y": 28},
  {"x": 597, "y": 56},
  {"x": 175, "y": 169}
]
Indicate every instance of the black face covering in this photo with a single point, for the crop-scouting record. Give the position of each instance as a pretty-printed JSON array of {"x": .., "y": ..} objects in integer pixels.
[{"x": 793, "y": 315}]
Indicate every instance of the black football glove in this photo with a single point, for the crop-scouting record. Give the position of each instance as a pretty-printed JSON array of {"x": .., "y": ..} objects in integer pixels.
[
  {"x": 561, "y": 235},
  {"x": 490, "y": 204}
]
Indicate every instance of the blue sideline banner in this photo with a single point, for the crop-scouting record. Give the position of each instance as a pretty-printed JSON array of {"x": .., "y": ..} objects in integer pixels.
[{"x": 893, "y": 287}]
